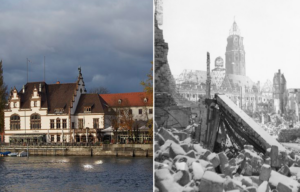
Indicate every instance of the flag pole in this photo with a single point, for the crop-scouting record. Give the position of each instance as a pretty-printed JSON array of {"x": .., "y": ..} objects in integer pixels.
[
  {"x": 44, "y": 69},
  {"x": 27, "y": 70}
]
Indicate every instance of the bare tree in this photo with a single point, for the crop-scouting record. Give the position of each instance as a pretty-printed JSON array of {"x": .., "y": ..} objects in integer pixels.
[{"x": 99, "y": 90}]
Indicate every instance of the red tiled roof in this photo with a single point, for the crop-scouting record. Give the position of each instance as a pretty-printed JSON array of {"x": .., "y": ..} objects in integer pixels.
[{"x": 134, "y": 99}]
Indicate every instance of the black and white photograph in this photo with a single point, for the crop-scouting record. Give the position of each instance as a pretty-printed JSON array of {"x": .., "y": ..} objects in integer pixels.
[{"x": 227, "y": 95}]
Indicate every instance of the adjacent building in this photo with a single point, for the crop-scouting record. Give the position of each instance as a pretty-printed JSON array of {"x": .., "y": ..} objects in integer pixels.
[{"x": 64, "y": 112}]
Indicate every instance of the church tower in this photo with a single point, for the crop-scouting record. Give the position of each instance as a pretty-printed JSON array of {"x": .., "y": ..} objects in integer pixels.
[{"x": 235, "y": 53}]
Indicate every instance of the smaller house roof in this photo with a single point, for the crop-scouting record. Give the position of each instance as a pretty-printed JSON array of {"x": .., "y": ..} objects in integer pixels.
[
  {"x": 134, "y": 99},
  {"x": 90, "y": 100}
]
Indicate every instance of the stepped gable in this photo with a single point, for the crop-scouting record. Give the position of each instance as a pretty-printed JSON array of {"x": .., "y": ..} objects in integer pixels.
[
  {"x": 92, "y": 100},
  {"x": 60, "y": 96}
]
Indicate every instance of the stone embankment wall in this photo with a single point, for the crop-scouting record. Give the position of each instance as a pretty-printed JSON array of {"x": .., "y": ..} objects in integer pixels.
[
  {"x": 135, "y": 150},
  {"x": 286, "y": 135}
]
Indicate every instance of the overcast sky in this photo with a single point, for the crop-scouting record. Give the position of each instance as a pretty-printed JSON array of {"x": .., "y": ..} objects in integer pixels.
[
  {"x": 112, "y": 41},
  {"x": 271, "y": 31}
]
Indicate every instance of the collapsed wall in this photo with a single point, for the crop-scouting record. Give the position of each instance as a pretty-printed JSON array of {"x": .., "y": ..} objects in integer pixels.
[{"x": 287, "y": 135}]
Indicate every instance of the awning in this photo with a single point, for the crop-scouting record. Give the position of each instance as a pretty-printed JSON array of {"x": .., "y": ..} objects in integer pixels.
[{"x": 26, "y": 136}]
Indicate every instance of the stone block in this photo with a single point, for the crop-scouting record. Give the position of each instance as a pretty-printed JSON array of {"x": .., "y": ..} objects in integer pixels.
[
  {"x": 191, "y": 153},
  {"x": 182, "y": 177},
  {"x": 163, "y": 174},
  {"x": 211, "y": 182},
  {"x": 181, "y": 135},
  {"x": 185, "y": 147},
  {"x": 232, "y": 162},
  {"x": 198, "y": 171},
  {"x": 247, "y": 181},
  {"x": 156, "y": 146},
  {"x": 285, "y": 170},
  {"x": 160, "y": 140},
  {"x": 223, "y": 158},
  {"x": 274, "y": 156},
  {"x": 247, "y": 170},
  {"x": 251, "y": 189},
  {"x": 276, "y": 178},
  {"x": 282, "y": 187},
  {"x": 214, "y": 159},
  {"x": 167, "y": 135},
  {"x": 175, "y": 150},
  {"x": 181, "y": 166},
  {"x": 294, "y": 170},
  {"x": 229, "y": 184},
  {"x": 264, "y": 187},
  {"x": 265, "y": 172},
  {"x": 249, "y": 147},
  {"x": 168, "y": 185}
]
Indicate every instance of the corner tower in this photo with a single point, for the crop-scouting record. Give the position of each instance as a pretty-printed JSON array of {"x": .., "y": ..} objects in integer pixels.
[{"x": 235, "y": 53}]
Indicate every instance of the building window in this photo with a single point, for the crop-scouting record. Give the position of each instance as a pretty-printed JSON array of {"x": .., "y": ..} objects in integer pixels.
[
  {"x": 64, "y": 121},
  {"x": 35, "y": 103},
  {"x": 140, "y": 111},
  {"x": 52, "y": 138},
  {"x": 58, "y": 110},
  {"x": 150, "y": 111},
  {"x": 15, "y": 104},
  {"x": 80, "y": 123},
  {"x": 35, "y": 121},
  {"x": 58, "y": 138},
  {"x": 15, "y": 122},
  {"x": 73, "y": 125},
  {"x": 130, "y": 112},
  {"x": 51, "y": 123},
  {"x": 120, "y": 101},
  {"x": 96, "y": 123},
  {"x": 57, "y": 123},
  {"x": 145, "y": 100},
  {"x": 87, "y": 109}
]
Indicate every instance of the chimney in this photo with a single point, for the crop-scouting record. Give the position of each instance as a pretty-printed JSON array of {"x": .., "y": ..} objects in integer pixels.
[
  {"x": 40, "y": 87},
  {"x": 57, "y": 82},
  {"x": 23, "y": 89}
]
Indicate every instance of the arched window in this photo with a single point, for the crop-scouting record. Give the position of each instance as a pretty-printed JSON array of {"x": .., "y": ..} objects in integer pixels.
[
  {"x": 35, "y": 121},
  {"x": 15, "y": 122}
]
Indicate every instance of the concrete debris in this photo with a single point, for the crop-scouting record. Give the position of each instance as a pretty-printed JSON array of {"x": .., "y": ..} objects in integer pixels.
[{"x": 182, "y": 165}]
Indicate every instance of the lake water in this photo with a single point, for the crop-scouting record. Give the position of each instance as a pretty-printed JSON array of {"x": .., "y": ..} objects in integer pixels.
[{"x": 74, "y": 173}]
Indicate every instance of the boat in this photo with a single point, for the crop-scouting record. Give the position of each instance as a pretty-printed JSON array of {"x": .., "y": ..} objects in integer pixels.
[
  {"x": 13, "y": 154},
  {"x": 4, "y": 153},
  {"x": 22, "y": 154}
]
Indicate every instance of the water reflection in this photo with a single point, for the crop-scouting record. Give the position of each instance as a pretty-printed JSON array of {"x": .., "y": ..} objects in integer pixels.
[{"x": 42, "y": 173}]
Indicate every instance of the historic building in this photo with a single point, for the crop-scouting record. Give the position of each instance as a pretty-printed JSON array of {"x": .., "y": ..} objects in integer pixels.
[
  {"x": 235, "y": 53},
  {"x": 279, "y": 92},
  {"x": 231, "y": 80},
  {"x": 62, "y": 112}
]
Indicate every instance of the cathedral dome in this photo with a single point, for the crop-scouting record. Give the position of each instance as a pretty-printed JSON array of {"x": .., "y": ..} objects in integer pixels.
[{"x": 219, "y": 62}]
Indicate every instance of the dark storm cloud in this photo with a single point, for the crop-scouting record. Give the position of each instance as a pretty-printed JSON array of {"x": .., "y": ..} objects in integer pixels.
[{"x": 111, "y": 40}]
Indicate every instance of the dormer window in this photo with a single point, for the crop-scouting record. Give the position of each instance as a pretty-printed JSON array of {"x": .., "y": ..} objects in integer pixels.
[
  {"x": 87, "y": 109},
  {"x": 15, "y": 104},
  {"x": 35, "y": 103},
  {"x": 145, "y": 100},
  {"x": 120, "y": 101},
  {"x": 58, "y": 110}
]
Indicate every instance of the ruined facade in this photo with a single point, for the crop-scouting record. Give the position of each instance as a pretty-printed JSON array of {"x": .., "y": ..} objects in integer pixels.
[{"x": 279, "y": 92}]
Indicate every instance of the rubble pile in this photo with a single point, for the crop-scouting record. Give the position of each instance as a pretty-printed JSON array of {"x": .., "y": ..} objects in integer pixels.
[{"x": 182, "y": 165}]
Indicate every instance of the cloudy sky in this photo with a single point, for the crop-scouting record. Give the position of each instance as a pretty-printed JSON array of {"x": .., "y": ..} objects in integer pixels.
[
  {"x": 271, "y": 31},
  {"x": 112, "y": 41}
]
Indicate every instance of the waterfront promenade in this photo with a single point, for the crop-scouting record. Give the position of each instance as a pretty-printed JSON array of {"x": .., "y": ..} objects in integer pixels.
[{"x": 69, "y": 149}]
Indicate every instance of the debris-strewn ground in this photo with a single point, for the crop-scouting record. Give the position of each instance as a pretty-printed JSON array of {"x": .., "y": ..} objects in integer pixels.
[{"x": 182, "y": 165}]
